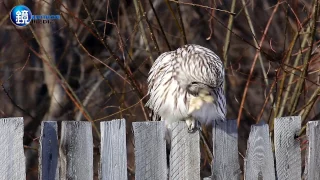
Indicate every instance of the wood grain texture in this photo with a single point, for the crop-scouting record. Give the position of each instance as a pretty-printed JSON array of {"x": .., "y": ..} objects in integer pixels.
[
  {"x": 313, "y": 158},
  {"x": 225, "y": 151},
  {"x": 48, "y": 151},
  {"x": 76, "y": 151},
  {"x": 185, "y": 153},
  {"x": 12, "y": 159},
  {"x": 287, "y": 148},
  {"x": 150, "y": 150},
  {"x": 113, "y": 150},
  {"x": 259, "y": 161}
]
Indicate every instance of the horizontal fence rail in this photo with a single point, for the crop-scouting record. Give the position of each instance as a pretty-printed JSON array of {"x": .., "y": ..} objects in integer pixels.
[{"x": 72, "y": 157}]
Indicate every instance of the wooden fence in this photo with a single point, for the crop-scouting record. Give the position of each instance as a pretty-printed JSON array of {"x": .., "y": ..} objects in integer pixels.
[{"x": 73, "y": 157}]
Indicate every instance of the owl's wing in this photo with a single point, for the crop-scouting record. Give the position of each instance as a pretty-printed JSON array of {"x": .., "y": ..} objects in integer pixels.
[{"x": 160, "y": 77}]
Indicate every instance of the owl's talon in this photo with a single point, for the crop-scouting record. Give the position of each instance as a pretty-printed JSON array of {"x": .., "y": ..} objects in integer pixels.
[
  {"x": 191, "y": 130},
  {"x": 190, "y": 123}
]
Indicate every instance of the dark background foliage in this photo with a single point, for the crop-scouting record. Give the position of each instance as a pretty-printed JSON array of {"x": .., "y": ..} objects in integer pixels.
[{"x": 93, "y": 63}]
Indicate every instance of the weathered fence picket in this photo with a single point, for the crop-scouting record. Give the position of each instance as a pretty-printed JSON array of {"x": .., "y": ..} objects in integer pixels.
[
  {"x": 259, "y": 163},
  {"x": 313, "y": 158},
  {"x": 113, "y": 150},
  {"x": 76, "y": 151},
  {"x": 225, "y": 151},
  {"x": 49, "y": 153},
  {"x": 185, "y": 153},
  {"x": 12, "y": 160},
  {"x": 150, "y": 150},
  {"x": 287, "y": 147}
]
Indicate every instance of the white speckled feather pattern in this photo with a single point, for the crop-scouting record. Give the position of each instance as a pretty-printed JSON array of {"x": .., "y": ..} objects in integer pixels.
[{"x": 177, "y": 76}]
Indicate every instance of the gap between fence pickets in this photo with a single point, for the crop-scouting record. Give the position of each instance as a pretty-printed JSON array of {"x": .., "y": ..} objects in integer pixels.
[{"x": 48, "y": 151}]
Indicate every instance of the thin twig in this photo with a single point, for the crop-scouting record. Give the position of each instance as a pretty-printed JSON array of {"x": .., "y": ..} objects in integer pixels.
[
  {"x": 126, "y": 70},
  {"x": 208, "y": 150},
  {"x": 120, "y": 111},
  {"x": 142, "y": 30},
  {"x": 175, "y": 19},
  {"x": 91, "y": 92},
  {"x": 306, "y": 60},
  {"x": 265, "y": 77},
  {"x": 306, "y": 111},
  {"x": 182, "y": 25},
  {"x": 207, "y": 7},
  {"x": 146, "y": 117},
  {"x": 265, "y": 102},
  {"x": 144, "y": 14},
  {"x": 15, "y": 104},
  {"x": 227, "y": 39},
  {"x": 254, "y": 63},
  {"x": 228, "y": 35},
  {"x": 60, "y": 78},
  {"x": 279, "y": 110},
  {"x": 291, "y": 78},
  {"x": 158, "y": 21},
  {"x": 306, "y": 108}
]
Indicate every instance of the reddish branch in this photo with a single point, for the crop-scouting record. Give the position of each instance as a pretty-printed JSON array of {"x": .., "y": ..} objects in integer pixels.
[{"x": 254, "y": 63}]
